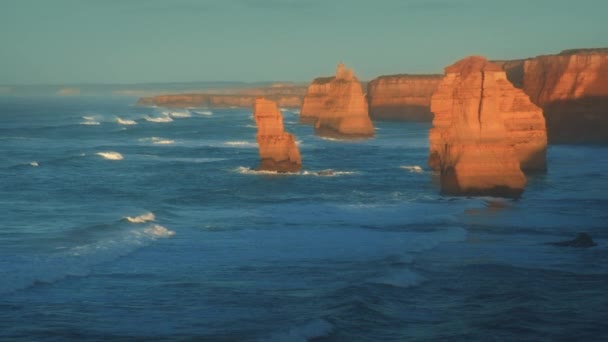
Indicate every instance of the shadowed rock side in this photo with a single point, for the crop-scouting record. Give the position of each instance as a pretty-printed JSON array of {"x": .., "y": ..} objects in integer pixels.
[
  {"x": 572, "y": 89},
  {"x": 402, "y": 97},
  {"x": 469, "y": 143},
  {"x": 278, "y": 150},
  {"x": 337, "y": 106}
]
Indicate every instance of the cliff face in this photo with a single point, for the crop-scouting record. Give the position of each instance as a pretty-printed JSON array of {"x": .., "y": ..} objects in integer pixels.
[
  {"x": 278, "y": 150},
  {"x": 572, "y": 89},
  {"x": 284, "y": 96},
  {"x": 469, "y": 141},
  {"x": 402, "y": 97},
  {"x": 338, "y": 106}
]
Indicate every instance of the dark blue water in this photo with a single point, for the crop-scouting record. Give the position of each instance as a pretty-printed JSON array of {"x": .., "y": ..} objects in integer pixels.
[{"x": 159, "y": 230}]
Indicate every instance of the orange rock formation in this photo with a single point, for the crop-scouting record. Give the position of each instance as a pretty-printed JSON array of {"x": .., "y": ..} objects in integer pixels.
[
  {"x": 337, "y": 106},
  {"x": 402, "y": 97},
  {"x": 572, "y": 89},
  {"x": 284, "y": 95},
  {"x": 278, "y": 150},
  {"x": 469, "y": 141}
]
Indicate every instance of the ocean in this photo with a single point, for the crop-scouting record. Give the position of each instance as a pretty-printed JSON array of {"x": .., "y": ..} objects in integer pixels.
[{"x": 126, "y": 222}]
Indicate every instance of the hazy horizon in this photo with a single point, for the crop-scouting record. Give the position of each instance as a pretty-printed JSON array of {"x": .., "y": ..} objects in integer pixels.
[{"x": 69, "y": 42}]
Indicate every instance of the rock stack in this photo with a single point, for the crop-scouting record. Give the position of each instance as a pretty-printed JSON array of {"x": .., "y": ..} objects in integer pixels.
[{"x": 278, "y": 150}]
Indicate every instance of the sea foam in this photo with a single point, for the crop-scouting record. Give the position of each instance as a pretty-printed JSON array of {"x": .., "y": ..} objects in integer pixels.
[
  {"x": 184, "y": 114},
  {"x": 110, "y": 155},
  {"x": 412, "y": 168},
  {"x": 158, "y": 141},
  {"x": 159, "y": 119},
  {"x": 126, "y": 122},
  {"x": 204, "y": 112},
  {"x": 147, "y": 217}
]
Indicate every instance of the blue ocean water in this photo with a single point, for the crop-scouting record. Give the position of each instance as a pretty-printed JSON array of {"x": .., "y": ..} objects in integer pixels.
[{"x": 125, "y": 222}]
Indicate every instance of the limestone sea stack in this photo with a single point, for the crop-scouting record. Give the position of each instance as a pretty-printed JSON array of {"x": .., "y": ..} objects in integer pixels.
[
  {"x": 524, "y": 121},
  {"x": 469, "y": 141},
  {"x": 572, "y": 89},
  {"x": 278, "y": 150},
  {"x": 402, "y": 97},
  {"x": 337, "y": 106}
]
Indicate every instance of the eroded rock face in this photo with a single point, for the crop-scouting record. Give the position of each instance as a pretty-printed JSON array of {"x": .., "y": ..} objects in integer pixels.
[
  {"x": 469, "y": 141},
  {"x": 289, "y": 96},
  {"x": 402, "y": 97},
  {"x": 572, "y": 89},
  {"x": 278, "y": 150},
  {"x": 524, "y": 122},
  {"x": 337, "y": 106}
]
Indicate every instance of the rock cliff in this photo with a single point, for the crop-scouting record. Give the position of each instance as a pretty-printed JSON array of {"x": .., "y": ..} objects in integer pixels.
[
  {"x": 402, "y": 97},
  {"x": 469, "y": 141},
  {"x": 337, "y": 106},
  {"x": 278, "y": 150},
  {"x": 572, "y": 89},
  {"x": 284, "y": 96}
]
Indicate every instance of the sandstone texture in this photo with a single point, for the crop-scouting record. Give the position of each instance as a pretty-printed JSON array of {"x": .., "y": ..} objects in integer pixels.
[
  {"x": 288, "y": 96},
  {"x": 402, "y": 97},
  {"x": 278, "y": 150},
  {"x": 572, "y": 89},
  {"x": 337, "y": 106},
  {"x": 469, "y": 141}
]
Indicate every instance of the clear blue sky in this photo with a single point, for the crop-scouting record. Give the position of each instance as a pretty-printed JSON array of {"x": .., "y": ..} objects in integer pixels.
[{"x": 128, "y": 41}]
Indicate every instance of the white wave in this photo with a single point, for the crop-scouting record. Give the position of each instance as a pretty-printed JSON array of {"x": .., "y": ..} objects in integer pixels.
[
  {"x": 159, "y": 119},
  {"x": 327, "y": 173},
  {"x": 147, "y": 217},
  {"x": 250, "y": 171},
  {"x": 204, "y": 112},
  {"x": 88, "y": 118},
  {"x": 251, "y": 126},
  {"x": 126, "y": 122},
  {"x": 296, "y": 111},
  {"x": 412, "y": 168},
  {"x": 110, "y": 155},
  {"x": 158, "y": 231},
  {"x": 305, "y": 332},
  {"x": 34, "y": 164},
  {"x": 90, "y": 123},
  {"x": 23, "y": 272},
  {"x": 283, "y": 109},
  {"x": 322, "y": 173},
  {"x": 241, "y": 143},
  {"x": 184, "y": 114},
  {"x": 403, "y": 278},
  {"x": 158, "y": 141}
]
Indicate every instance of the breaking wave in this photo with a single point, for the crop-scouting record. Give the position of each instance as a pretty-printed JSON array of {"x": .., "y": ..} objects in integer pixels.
[
  {"x": 241, "y": 143},
  {"x": 34, "y": 164},
  {"x": 23, "y": 272},
  {"x": 90, "y": 123},
  {"x": 143, "y": 218},
  {"x": 158, "y": 141},
  {"x": 322, "y": 173},
  {"x": 126, "y": 122},
  {"x": 177, "y": 115},
  {"x": 204, "y": 112},
  {"x": 110, "y": 155},
  {"x": 159, "y": 119},
  {"x": 412, "y": 168}
]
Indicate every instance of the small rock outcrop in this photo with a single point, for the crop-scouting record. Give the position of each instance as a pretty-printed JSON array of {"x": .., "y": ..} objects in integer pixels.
[
  {"x": 402, "y": 97},
  {"x": 582, "y": 240},
  {"x": 278, "y": 150},
  {"x": 337, "y": 106},
  {"x": 469, "y": 141}
]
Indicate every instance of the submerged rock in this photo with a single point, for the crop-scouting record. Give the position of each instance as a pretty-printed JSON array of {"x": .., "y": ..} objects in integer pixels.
[
  {"x": 582, "y": 240},
  {"x": 278, "y": 150}
]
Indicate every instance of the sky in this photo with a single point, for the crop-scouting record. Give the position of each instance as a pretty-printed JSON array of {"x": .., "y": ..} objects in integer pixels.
[{"x": 138, "y": 41}]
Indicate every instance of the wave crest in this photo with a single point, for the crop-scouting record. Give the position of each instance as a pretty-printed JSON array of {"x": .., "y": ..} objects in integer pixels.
[
  {"x": 126, "y": 121},
  {"x": 110, "y": 155},
  {"x": 147, "y": 217},
  {"x": 158, "y": 119},
  {"x": 412, "y": 168}
]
